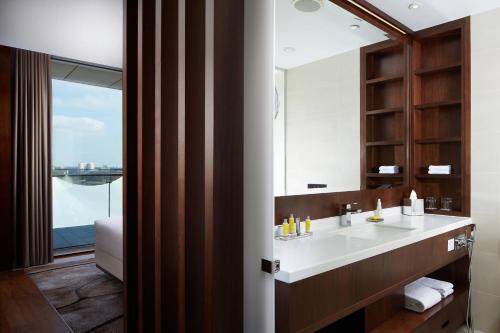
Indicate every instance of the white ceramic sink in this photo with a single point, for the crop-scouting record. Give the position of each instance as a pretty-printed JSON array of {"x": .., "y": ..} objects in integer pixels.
[
  {"x": 373, "y": 231},
  {"x": 393, "y": 226}
]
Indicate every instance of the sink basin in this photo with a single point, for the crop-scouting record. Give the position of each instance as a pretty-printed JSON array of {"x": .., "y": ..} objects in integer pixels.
[
  {"x": 394, "y": 226},
  {"x": 374, "y": 231}
]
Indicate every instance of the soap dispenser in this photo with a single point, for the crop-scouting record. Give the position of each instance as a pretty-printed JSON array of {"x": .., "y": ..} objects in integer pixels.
[
  {"x": 377, "y": 214},
  {"x": 378, "y": 211}
]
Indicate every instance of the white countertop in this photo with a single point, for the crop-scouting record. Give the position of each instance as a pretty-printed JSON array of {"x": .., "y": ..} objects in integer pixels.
[{"x": 332, "y": 246}]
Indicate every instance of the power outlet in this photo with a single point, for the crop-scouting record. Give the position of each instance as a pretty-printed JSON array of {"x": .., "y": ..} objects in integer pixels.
[
  {"x": 451, "y": 244},
  {"x": 460, "y": 242}
]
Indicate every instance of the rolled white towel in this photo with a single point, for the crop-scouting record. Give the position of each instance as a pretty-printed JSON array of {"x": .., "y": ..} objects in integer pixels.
[
  {"x": 388, "y": 169},
  {"x": 419, "y": 298},
  {"x": 447, "y": 293},
  {"x": 440, "y": 286}
]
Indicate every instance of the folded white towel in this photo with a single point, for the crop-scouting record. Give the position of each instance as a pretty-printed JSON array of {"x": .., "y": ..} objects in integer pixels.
[
  {"x": 388, "y": 169},
  {"x": 419, "y": 298},
  {"x": 439, "y": 167},
  {"x": 447, "y": 293},
  {"x": 439, "y": 172},
  {"x": 441, "y": 286}
]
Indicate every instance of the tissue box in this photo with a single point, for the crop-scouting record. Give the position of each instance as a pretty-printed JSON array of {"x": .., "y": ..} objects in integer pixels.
[{"x": 413, "y": 207}]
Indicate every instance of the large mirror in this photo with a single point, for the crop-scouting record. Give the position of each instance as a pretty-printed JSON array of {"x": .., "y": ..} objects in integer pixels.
[{"x": 317, "y": 116}]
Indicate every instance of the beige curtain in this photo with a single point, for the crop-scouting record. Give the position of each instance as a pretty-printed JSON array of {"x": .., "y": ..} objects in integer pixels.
[{"x": 32, "y": 158}]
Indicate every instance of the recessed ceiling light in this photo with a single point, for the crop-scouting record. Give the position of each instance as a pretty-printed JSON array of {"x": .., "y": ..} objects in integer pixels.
[
  {"x": 414, "y": 5},
  {"x": 289, "y": 49},
  {"x": 356, "y": 25},
  {"x": 308, "y": 6}
]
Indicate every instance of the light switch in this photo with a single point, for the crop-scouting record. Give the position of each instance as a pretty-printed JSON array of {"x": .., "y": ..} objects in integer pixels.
[{"x": 451, "y": 244}]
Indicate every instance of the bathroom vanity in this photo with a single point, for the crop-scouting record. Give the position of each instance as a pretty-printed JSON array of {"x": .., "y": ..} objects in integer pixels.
[
  {"x": 384, "y": 102},
  {"x": 352, "y": 277}
]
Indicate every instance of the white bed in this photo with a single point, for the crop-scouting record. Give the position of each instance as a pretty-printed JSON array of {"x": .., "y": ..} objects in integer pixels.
[{"x": 109, "y": 245}]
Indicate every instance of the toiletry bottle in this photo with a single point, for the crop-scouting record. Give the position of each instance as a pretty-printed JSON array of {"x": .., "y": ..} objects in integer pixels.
[
  {"x": 308, "y": 225},
  {"x": 378, "y": 211},
  {"x": 291, "y": 224},
  {"x": 297, "y": 226},
  {"x": 278, "y": 231},
  {"x": 284, "y": 229}
]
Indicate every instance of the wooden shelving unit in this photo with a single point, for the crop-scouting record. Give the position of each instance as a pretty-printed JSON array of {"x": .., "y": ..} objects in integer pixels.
[
  {"x": 384, "y": 113},
  {"x": 438, "y": 140},
  {"x": 384, "y": 79},
  {"x": 384, "y": 175},
  {"x": 409, "y": 321},
  {"x": 385, "y": 143},
  {"x": 388, "y": 315},
  {"x": 438, "y": 69},
  {"x": 434, "y": 176},
  {"x": 423, "y": 106},
  {"x": 441, "y": 113}
]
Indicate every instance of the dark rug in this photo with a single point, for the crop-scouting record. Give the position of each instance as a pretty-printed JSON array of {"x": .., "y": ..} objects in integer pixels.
[{"x": 88, "y": 299}]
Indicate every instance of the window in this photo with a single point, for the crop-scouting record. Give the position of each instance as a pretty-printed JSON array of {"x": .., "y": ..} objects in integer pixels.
[{"x": 86, "y": 160}]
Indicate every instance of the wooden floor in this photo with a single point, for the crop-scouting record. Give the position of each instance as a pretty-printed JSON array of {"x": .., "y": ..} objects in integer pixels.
[{"x": 23, "y": 308}]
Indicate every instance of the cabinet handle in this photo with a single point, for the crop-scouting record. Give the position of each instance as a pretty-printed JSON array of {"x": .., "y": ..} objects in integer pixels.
[{"x": 446, "y": 323}]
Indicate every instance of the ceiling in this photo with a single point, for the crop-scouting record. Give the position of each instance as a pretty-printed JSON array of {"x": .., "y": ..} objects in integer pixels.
[
  {"x": 318, "y": 35},
  {"x": 432, "y": 12},
  {"x": 80, "y": 73},
  {"x": 86, "y": 30}
]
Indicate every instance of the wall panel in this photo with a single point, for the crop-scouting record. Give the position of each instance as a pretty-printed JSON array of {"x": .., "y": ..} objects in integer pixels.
[{"x": 6, "y": 222}]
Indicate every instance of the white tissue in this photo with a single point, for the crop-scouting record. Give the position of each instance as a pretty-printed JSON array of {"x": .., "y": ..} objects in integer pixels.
[
  {"x": 417, "y": 205},
  {"x": 413, "y": 195}
]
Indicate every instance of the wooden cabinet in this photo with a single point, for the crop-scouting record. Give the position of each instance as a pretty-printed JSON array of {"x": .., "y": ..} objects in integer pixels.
[{"x": 374, "y": 287}]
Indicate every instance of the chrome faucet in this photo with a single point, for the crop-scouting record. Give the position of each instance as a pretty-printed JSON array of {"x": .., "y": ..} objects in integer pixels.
[{"x": 345, "y": 212}]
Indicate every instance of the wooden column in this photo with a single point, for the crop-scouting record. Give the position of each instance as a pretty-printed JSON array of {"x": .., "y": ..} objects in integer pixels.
[
  {"x": 6, "y": 222},
  {"x": 154, "y": 165},
  {"x": 214, "y": 165},
  {"x": 184, "y": 165}
]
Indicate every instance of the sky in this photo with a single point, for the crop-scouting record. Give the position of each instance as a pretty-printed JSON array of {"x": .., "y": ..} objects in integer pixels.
[{"x": 86, "y": 125}]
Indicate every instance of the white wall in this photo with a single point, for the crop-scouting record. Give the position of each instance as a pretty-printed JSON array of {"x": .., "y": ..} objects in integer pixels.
[
  {"x": 86, "y": 30},
  {"x": 485, "y": 155},
  {"x": 279, "y": 135},
  {"x": 258, "y": 166},
  {"x": 323, "y": 125}
]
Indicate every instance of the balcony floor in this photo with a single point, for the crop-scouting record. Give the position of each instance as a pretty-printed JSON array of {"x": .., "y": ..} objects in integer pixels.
[{"x": 73, "y": 237}]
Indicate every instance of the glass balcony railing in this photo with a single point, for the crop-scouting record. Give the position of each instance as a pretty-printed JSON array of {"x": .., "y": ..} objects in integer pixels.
[{"x": 79, "y": 197}]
